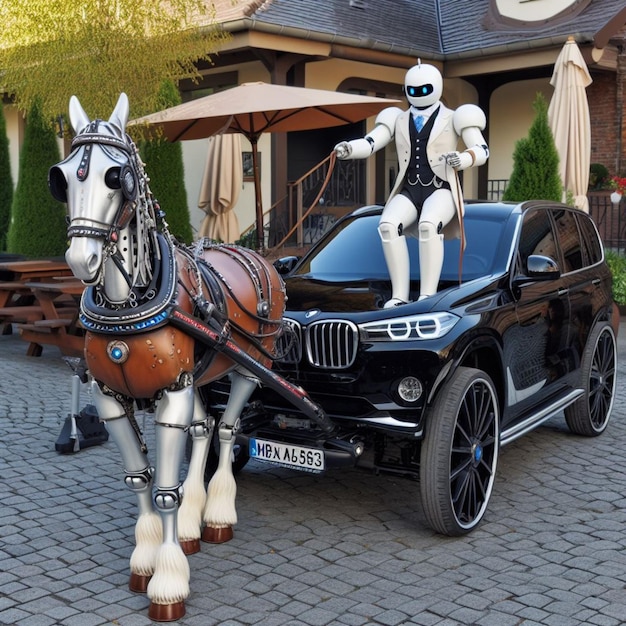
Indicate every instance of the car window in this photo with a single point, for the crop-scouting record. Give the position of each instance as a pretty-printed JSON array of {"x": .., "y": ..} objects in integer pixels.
[
  {"x": 569, "y": 240},
  {"x": 591, "y": 243},
  {"x": 353, "y": 251},
  {"x": 537, "y": 237}
]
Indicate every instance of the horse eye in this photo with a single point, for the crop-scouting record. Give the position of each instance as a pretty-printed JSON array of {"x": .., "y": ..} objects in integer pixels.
[{"x": 112, "y": 178}]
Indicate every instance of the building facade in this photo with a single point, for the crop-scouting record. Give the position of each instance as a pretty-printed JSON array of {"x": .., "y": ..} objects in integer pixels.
[{"x": 495, "y": 53}]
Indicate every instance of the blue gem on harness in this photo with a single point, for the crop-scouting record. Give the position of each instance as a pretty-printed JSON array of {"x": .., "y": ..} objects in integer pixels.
[{"x": 118, "y": 351}]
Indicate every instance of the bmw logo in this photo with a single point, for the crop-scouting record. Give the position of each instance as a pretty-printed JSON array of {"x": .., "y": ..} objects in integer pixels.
[{"x": 312, "y": 313}]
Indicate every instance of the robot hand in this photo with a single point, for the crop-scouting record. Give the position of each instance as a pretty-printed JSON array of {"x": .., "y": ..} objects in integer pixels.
[
  {"x": 458, "y": 160},
  {"x": 453, "y": 159},
  {"x": 343, "y": 150}
]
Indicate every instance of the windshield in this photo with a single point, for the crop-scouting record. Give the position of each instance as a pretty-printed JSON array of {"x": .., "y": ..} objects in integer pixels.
[{"x": 353, "y": 251}]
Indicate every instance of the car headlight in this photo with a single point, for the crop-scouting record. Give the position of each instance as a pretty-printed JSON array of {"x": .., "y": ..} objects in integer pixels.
[{"x": 409, "y": 328}]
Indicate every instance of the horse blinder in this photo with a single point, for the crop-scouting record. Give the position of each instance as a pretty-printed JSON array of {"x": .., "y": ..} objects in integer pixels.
[
  {"x": 122, "y": 178},
  {"x": 57, "y": 184}
]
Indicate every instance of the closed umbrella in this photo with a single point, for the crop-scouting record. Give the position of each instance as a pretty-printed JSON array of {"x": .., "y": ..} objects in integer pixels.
[
  {"x": 256, "y": 108},
  {"x": 219, "y": 191},
  {"x": 568, "y": 116}
]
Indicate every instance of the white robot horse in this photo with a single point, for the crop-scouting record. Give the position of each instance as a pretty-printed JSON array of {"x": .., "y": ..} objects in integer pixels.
[{"x": 161, "y": 320}]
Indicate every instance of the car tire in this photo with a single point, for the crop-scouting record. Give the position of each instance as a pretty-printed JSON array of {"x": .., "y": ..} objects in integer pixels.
[
  {"x": 240, "y": 456},
  {"x": 459, "y": 452},
  {"x": 590, "y": 414}
]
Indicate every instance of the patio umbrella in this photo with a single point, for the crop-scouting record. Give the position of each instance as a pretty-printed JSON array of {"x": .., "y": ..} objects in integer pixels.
[
  {"x": 219, "y": 191},
  {"x": 256, "y": 108},
  {"x": 568, "y": 116}
]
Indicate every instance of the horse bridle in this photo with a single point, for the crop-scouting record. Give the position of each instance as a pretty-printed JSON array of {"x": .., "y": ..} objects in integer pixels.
[{"x": 127, "y": 181}]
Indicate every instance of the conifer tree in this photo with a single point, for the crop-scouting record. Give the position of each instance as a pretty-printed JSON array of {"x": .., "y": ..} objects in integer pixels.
[
  {"x": 535, "y": 173},
  {"x": 37, "y": 227},
  {"x": 164, "y": 166},
  {"x": 6, "y": 183}
]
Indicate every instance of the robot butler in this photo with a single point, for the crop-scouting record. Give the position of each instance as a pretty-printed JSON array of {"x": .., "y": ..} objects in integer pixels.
[{"x": 426, "y": 199}]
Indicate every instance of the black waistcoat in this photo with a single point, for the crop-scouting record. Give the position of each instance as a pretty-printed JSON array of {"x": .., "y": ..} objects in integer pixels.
[{"x": 419, "y": 177}]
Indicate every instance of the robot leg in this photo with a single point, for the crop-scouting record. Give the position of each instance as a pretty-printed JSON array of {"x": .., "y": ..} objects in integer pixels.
[
  {"x": 169, "y": 586},
  {"x": 139, "y": 479},
  {"x": 220, "y": 513},
  {"x": 190, "y": 511},
  {"x": 399, "y": 214},
  {"x": 438, "y": 210}
]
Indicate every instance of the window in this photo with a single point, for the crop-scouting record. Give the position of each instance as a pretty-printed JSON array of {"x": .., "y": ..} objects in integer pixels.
[
  {"x": 207, "y": 85},
  {"x": 537, "y": 237},
  {"x": 591, "y": 244},
  {"x": 569, "y": 240}
]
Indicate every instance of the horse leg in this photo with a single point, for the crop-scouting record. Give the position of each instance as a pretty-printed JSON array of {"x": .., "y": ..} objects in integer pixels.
[
  {"x": 190, "y": 511},
  {"x": 169, "y": 585},
  {"x": 148, "y": 533},
  {"x": 220, "y": 514}
]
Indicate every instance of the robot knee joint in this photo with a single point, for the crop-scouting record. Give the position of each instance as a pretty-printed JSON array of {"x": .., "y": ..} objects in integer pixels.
[
  {"x": 168, "y": 499},
  {"x": 139, "y": 481},
  {"x": 202, "y": 429},
  {"x": 226, "y": 432},
  {"x": 389, "y": 231},
  {"x": 427, "y": 231}
]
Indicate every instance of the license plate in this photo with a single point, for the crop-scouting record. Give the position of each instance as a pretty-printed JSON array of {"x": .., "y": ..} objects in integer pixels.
[{"x": 307, "y": 459}]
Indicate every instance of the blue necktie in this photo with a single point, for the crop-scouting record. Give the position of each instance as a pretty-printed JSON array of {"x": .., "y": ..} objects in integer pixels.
[{"x": 419, "y": 122}]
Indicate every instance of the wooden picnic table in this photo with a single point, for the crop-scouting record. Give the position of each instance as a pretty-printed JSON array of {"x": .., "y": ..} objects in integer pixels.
[
  {"x": 11, "y": 290},
  {"x": 16, "y": 299},
  {"x": 35, "y": 269},
  {"x": 58, "y": 325}
]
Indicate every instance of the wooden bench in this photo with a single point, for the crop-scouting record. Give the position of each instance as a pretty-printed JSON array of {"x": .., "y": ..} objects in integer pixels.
[
  {"x": 27, "y": 313},
  {"x": 53, "y": 320},
  {"x": 47, "y": 332},
  {"x": 13, "y": 294},
  {"x": 58, "y": 323}
]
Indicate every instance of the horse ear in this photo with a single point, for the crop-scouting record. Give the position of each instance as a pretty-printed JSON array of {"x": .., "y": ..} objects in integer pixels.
[
  {"x": 78, "y": 118},
  {"x": 119, "y": 117}
]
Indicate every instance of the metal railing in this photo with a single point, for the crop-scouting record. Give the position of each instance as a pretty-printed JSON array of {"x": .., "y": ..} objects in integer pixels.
[
  {"x": 610, "y": 220},
  {"x": 294, "y": 211}
]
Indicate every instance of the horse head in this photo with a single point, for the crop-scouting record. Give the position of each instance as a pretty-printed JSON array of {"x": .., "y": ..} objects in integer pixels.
[{"x": 99, "y": 182}]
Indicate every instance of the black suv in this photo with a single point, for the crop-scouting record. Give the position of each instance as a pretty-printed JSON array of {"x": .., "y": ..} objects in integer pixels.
[{"x": 523, "y": 327}]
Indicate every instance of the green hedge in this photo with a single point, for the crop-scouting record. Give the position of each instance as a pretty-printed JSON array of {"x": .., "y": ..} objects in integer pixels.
[
  {"x": 6, "y": 183},
  {"x": 164, "y": 166},
  {"x": 37, "y": 227},
  {"x": 617, "y": 265}
]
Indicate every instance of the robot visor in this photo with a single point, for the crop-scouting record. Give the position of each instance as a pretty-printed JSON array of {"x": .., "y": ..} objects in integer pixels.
[{"x": 420, "y": 90}]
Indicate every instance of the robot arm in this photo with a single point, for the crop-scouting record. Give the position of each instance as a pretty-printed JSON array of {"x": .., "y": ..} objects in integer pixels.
[
  {"x": 378, "y": 138},
  {"x": 469, "y": 121}
]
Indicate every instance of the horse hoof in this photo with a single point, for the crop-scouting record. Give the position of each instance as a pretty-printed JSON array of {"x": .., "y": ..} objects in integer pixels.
[
  {"x": 138, "y": 583},
  {"x": 190, "y": 546},
  {"x": 166, "y": 612},
  {"x": 217, "y": 535}
]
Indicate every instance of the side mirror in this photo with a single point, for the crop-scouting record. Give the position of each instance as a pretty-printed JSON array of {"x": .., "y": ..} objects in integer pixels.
[
  {"x": 538, "y": 268},
  {"x": 285, "y": 264},
  {"x": 542, "y": 267}
]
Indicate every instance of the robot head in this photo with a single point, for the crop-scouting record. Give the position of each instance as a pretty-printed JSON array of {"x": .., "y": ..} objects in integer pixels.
[{"x": 423, "y": 85}]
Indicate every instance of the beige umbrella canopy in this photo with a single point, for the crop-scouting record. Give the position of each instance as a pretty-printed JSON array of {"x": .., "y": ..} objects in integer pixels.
[
  {"x": 568, "y": 116},
  {"x": 256, "y": 108},
  {"x": 219, "y": 191}
]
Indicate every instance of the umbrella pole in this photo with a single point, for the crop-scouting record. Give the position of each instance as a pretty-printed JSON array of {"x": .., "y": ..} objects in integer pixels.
[{"x": 257, "y": 195}]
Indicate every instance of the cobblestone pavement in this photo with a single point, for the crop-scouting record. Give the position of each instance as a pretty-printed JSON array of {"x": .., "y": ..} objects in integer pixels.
[{"x": 344, "y": 548}]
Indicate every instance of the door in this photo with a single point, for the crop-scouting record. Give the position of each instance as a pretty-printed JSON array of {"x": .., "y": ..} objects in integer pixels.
[{"x": 534, "y": 349}]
